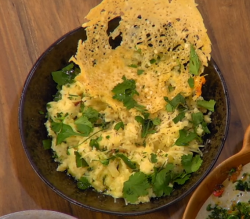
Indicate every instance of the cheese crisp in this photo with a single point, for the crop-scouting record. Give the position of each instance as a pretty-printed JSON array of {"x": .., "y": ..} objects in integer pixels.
[{"x": 130, "y": 124}]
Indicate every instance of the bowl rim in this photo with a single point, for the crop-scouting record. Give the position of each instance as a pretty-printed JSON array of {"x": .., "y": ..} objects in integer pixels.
[{"x": 21, "y": 132}]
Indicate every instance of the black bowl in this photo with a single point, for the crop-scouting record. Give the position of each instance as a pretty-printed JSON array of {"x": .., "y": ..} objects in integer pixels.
[{"x": 38, "y": 90}]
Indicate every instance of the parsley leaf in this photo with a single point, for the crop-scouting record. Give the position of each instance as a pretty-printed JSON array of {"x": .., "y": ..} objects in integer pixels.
[
  {"x": 94, "y": 143},
  {"x": 179, "y": 117},
  {"x": 171, "y": 88},
  {"x": 207, "y": 104},
  {"x": 148, "y": 125},
  {"x": 136, "y": 186},
  {"x": 80, "y": 162},
  {"x": 198, "y": 119},
  {"x": 185, "y": 137},
  {"x": 153, "y": 158},
  {"x": 133, "y": 66},
  {"x": 194, "y": 62},
  {"x": 63, "y": 131},
  {"x": 182, "y": 178},
  {"x": 83, "y": 183},
  {"x": 65, "y": 75},
  {"x": 140, "y": 71},
  {"x": 175, "y": 102},
  {"x": 125, "y": 91},
  {"x": 191, "y": 164},
  {"x": 91, "y": 114},
  {"x": 47, "y": 144},
  {"x": 161, "y": 180},
  {"x": 127, "y": 161},
  {"x": 119, "y": 125},
  {"x": 191, "y": 82},
  {"x": 84, "y": 126}
]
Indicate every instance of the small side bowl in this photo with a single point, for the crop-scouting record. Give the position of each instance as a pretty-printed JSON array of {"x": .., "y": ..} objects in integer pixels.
[{"x": 217, "y": 176}]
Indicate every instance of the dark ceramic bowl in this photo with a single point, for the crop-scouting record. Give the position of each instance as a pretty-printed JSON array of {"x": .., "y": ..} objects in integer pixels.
[{"x": 38, "y": 90}]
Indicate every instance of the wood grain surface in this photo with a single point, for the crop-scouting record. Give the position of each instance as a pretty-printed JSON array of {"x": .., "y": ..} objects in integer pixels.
[{"x": 29, "y": 27}]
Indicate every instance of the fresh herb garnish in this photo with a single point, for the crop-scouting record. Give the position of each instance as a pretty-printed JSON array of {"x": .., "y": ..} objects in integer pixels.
[
  {"x": 170, "y": 88},
  {"x": 65, "y": 75},
  {"x": 136, "y": 186},
  {"x": 47, "y": 144},
  {"x": 185, "y": 137},
  {"x": 63, "y": 131},
  {"x": 191, "y": 164},
  {"x": 243, "y": 185},
  {"x": 148, "y": 125},
  {"x": 84, "y": 126},
  {"x": 198, "y": 119},
  {"x": 194, "y": 62},
  {"x": 191, "y": 82},
  {"x": 140, "y": 71},
  {"x": 80, "y": 161},
  {"x": 207, "y": 104},
  {"x": 175, "y": 102},
  {"x": 94, "y": 143},
  {"x": 153, "y": 158},
  {"x": 179, "y": 117},
  {"x": 119, "y": 125},
  {"x": 127, "y": 161},
  {"x": 125, "y": 91},
  {"x": 161, "y": 181},
  {"x": 83, "y": 183}
]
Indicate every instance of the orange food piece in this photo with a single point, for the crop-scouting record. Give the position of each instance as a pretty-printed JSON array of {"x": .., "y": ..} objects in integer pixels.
[
  {"x": 233, "y": 177},
  {"x": 198, "y": 82}
]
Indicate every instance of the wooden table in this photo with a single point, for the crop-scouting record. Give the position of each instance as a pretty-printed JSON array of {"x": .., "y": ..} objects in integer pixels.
[{"x": 28, "y": 27}]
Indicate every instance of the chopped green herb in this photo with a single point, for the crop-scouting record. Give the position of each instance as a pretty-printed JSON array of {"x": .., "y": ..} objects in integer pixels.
[
  {"x": 140, "y": 71},
  {"x": 125, "y": 91},
  {"x": 171, "y": 88},
  {"x": 94, "y": 143},
  {"x": 119, "y": 125},
  {"x": 153, "y": 158},
  {"x": 105, "y": 162},
  {"x": 191, "y": 82},
  {"x": 136, "y": 186},
  {"x": 191, "y": 164},
  {"x": 161, "y": 180},
  {"x": 179, "y": 117},
  {"x": 133, "y": 66},
  {"x": 148, "y": 126},
  {"x": 185, "y": 137},
  {"x": 207, "y": 104},
  {"x": 91, "y": 114},
  {"x": 41, "y": 112},
  {"x": 194, "y": 62},
  {"x": 175, "y": 102},
  {"x": 63, "y": 131},
  {"x": 47, "y": 144},
  {"x": 152, "y": 61},
  {"x": 84, "y": 126},
  {"x": 182, "y": 178},
  {"x": 156, "y": 121},
  {"x": 198, "y": 119},
  {"x": 127, "y": 161},
  {"x": 65, "y": 76},
  {"x": 83, "y": 183},
  {"x": 80, "y": 162}
]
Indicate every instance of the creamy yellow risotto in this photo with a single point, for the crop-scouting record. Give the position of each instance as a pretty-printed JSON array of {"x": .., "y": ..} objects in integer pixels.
[{"x": 128, "y": 118}]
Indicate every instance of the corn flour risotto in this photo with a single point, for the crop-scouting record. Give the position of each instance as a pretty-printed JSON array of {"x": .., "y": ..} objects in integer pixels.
[{"x": 128, "y": 118}]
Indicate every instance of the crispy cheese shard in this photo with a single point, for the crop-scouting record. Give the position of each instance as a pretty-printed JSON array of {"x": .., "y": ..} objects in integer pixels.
[{"x": 150, "y": 44}]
